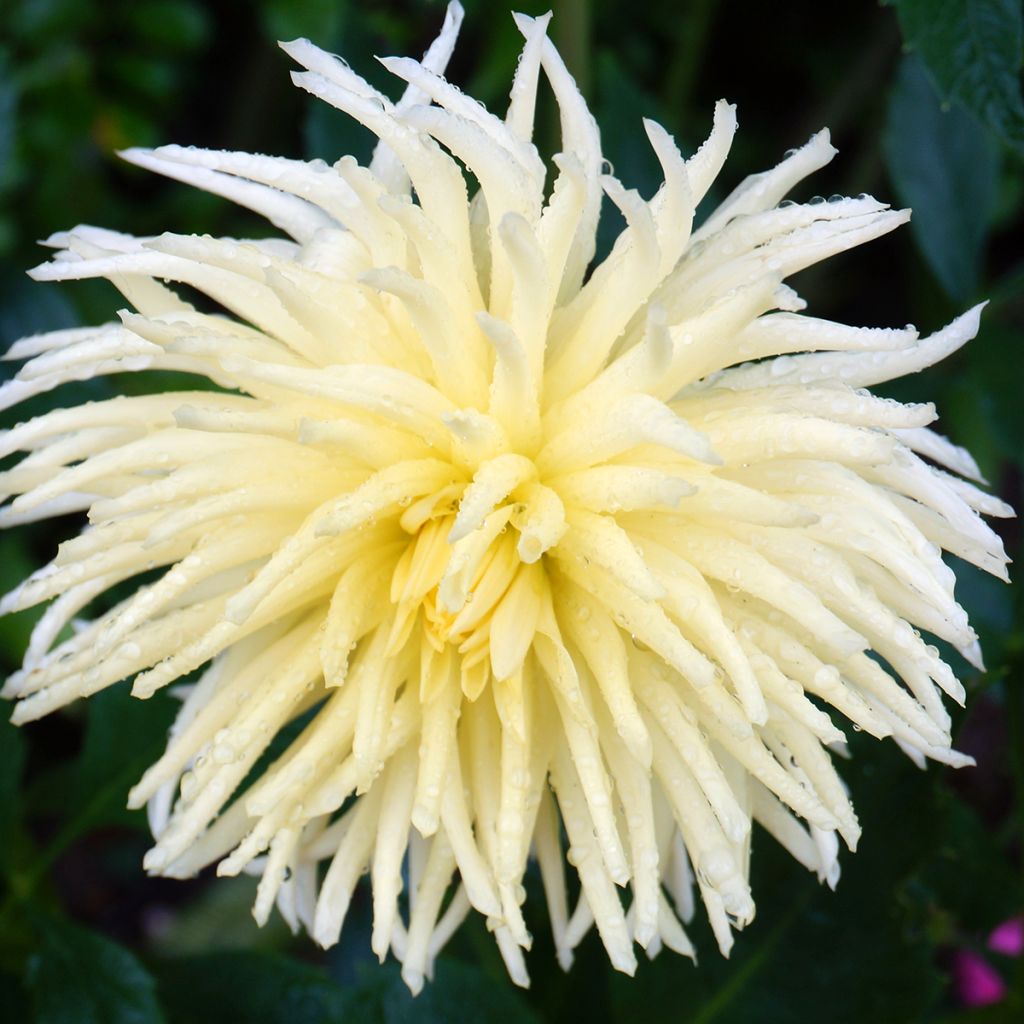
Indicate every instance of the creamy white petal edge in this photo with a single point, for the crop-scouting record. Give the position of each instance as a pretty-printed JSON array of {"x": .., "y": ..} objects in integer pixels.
[{"x": 534, "y": 554}]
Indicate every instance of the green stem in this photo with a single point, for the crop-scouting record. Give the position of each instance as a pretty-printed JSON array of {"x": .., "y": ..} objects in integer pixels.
[
  {"x": 571, "y": 29},
  {"x": 23, "y": 884},
  {"x": 1004, "y": 296},
  {"x": 728, "y": 993},
  {"x": 693, "y": 25}
]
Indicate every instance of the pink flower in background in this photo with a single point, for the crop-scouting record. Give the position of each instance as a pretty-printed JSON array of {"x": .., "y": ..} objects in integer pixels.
[
  {"x": 975, "y": 981},
  {"x": 1008, "y": 938}
]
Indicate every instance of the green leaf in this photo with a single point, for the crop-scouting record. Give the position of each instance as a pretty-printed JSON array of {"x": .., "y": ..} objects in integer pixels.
[
  {"x": 123, "y": 736},
  {"x": 991, "y": 390},
  {"x": 248, "y": 988},
  {"x": 77, "y": 977},
  {"x": 261, "y": 988},
  {"x": 973, "y": 51},
  {"x": 319, "y": 20},
  {"x": 172, "y": 25},
  {"x": 945, "y": 166},
  {"x": 458, "y": 991},
  {"x": 29, "y": 306}
]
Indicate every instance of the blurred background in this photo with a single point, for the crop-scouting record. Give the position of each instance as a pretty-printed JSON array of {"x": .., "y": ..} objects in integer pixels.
[{"x": 924, "y": 101}]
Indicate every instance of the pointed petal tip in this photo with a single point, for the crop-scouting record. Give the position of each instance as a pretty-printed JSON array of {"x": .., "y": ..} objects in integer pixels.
[
  {"x": 968, "y": 322},
  {"x": 22, "y": 713},
  {"x": 142, "y": 688},
  {"x": 293, "y": 46},
  {"x": 413, "y": 980},
  {"x": 656, "y": 128},
  {"x": 42, "y": 272},
  {"x": 395, "y": 63},
  {"x": 56, "y": 240},
  {"x": 10, "y": 603},
  {"x": 132, "y": 154}
]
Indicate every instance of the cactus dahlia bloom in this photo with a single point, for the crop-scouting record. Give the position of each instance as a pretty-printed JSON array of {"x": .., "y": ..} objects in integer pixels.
[{"x": 585, "y": 565}]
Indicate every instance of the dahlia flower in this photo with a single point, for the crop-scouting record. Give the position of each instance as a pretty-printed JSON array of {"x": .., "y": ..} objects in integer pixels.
[{"x": 589, "y": 565}]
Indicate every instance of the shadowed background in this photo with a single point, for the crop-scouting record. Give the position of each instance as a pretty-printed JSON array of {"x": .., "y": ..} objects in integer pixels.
[{"x": 923, "y": 99}]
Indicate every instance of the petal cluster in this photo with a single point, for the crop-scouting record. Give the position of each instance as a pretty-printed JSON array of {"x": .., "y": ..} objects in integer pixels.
[{"x": 488, "y": 552}]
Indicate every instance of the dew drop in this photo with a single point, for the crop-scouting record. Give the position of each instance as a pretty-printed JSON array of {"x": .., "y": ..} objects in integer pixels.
[{"x": 224, "y": 753}]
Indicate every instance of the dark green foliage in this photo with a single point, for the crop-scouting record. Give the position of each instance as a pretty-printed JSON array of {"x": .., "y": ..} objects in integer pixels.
[
  {"x": 973, "y": 51},
  {"x": 267, "y": 989},
  {"x": 945, "y": 166},
  {"x": 122, "y": 738},
  {"x": 255, "y": 988},
  {"x": 78, "y": 977},
  {"x": 924, "y": 101}
]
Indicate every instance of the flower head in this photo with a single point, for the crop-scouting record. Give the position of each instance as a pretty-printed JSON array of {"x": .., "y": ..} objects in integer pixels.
[{"x": 526, "y": 547}]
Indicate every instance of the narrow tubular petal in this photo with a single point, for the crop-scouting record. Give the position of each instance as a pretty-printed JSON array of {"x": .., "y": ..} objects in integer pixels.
[
  {"x": 385, "y": 163},
  {"x": 290, "y": 214}
]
